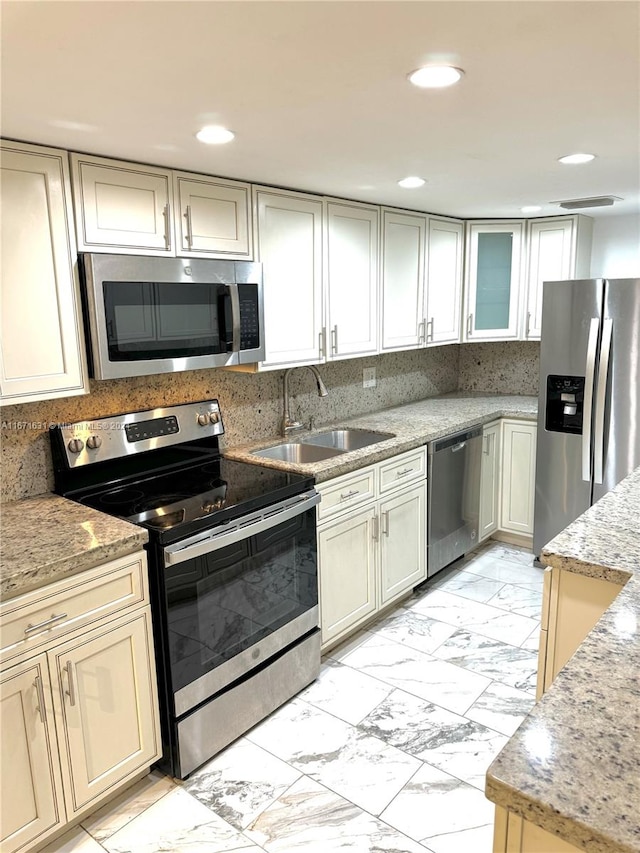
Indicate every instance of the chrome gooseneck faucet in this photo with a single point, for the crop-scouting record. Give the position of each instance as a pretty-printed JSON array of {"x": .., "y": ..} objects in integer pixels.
[{"x": 287, "y": 424}]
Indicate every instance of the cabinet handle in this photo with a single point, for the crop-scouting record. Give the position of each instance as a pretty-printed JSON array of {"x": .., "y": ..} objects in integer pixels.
[
  {"x": 71, "y": 692},
  {"x": 31, "y": 629},
  {"x": 187, "y": 216},
  {"x": 430, "y": 327},
  {"x": 469, "y": 324},
  {"x": 376, "y": 528},
  {"x": 404, "y": 472},
  {"x": 348, "y": 495},
  {"x": 385, "y": 523},
  {"x": 334, "y": 340},
  {"x": 526, "y": 334},
  {"x": 486, "y": 445},
  {"x": 322, "y": 337},
  {"x": 40, "y": 707},
  {"x": 422, "y": 331},
  {"x": 167, "y": 238}
]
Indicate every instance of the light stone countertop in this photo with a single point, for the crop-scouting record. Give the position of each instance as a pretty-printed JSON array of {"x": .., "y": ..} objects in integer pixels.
[
  {"x": 412, "y": 425},
  {"x": 45, "y": 538},
  {"x": 573, "y": 766}
]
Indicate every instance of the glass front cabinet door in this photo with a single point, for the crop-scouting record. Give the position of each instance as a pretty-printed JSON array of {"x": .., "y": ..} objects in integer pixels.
[{"x": 494, "y": 272}]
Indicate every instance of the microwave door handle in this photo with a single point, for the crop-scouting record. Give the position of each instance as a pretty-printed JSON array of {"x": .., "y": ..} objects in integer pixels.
[
  {"x": 235, "y": 317},
  {"x": 182, "y": 551}
]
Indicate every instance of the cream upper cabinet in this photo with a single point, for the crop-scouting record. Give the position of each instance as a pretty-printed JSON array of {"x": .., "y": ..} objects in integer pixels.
[
  {"x": 518, "y": 476},
  {"x": 122, "y": 207},
  {"x": 444, "y": 281},
  {"x": 31, "y": 805},
  {"x": 352, "y": 279},
  {"x": 559, "y": 249},
  {"x": 212, "y": 217},
  {"x": 41, "y": 340},
  {"x": 289, "y": 245},
  {"x": 402, "y": 280},
  {"x": 490, "y": 480},
  {"x": 493, "y": 281}
]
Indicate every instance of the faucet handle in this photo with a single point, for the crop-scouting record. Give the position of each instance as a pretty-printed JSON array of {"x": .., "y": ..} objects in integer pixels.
[{"x": 291, "y": 426}]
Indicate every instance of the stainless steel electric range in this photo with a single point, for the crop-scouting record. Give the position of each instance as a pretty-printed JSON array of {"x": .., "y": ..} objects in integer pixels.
[{"x": 232, "y": 566}]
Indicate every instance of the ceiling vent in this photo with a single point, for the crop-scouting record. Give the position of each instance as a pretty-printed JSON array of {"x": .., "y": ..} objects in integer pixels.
[{"x": 581, "y": 203}]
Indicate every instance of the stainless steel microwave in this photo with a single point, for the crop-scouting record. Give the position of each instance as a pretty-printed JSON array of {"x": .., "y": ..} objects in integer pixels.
[{"x": 149, "y": 315}]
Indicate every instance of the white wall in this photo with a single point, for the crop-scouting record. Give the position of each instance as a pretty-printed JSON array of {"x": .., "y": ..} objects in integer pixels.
[{"x": 616, "y": 247}]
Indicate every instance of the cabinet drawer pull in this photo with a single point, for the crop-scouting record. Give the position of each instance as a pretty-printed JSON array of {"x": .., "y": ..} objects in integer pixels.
[
  {"x": 404, "y": 472},
  {"x": 385, "y": 523},
  {"x": 167, "y": 238},
  {"x": 189, "y": 234},
  {"x": 347, "y": 495},
  {"x": 31, "y": 629},
  {"x": 40, "y": 707},
  {"x": 71, "y": 692}
]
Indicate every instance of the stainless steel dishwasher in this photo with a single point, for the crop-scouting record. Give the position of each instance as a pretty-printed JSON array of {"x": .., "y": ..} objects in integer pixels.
[{"x": 454, "y": 497}]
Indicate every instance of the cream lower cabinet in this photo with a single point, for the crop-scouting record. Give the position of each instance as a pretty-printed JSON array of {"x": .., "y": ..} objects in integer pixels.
[
  {"x": 371, "y": 541},
  {"x": 79, "y": 717},
  {"x": 571, "y": 606},
  {"x": 31, "y": 805},
  {"x": 518, "y": 476},
  {"x": 512, "y": 834},
  {"x": 490, "y": 480}
]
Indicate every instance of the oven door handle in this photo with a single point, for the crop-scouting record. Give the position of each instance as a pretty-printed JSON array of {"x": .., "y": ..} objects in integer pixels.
[{"x": 242, "y": 529}]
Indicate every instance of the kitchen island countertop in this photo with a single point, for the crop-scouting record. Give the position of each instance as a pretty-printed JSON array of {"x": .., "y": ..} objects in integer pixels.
[
  {"x": 412, "y": 425},
  {"x": 573, "y": 766},
  {"x": 46, "y": 538}
]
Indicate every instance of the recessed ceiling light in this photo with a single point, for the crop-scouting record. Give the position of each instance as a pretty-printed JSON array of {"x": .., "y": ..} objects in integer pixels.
[
  {"x": 435, "y": 76},
  {"x": 571, "y": 159},
  {"x": 412, "y": 182},
  {"x": 214, "y": 134},
  {"x": 531, "y": 208}
]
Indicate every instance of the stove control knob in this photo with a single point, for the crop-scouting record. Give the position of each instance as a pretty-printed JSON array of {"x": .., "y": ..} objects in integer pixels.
[
  {"x": 94, "y": 442},
  {"x": 203, "y": 420},
  {"x": 214, "y": 417},
  {"x": 75, "y": 445}
]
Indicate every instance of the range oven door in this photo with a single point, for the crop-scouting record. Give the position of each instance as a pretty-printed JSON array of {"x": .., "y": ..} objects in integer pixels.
[
  {"x": 162, "y": 315},
  {"x": 238, "y": 596}
]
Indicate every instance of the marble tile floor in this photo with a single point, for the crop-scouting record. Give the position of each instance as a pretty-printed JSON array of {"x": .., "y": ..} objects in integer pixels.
[{"x": 385, "y": 753}]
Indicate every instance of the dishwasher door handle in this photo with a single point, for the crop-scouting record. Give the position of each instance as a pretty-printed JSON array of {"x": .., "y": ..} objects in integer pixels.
[{"x": 459, "y": 446}]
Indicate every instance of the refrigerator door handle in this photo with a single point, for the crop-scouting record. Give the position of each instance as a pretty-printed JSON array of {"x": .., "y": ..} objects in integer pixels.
[
  {"x": 592, "y": 348},
  {"x": 601, "y": 396}
]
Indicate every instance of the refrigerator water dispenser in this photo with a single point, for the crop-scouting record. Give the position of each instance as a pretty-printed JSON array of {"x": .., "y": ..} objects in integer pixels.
[{"x": 565, "y": 404}]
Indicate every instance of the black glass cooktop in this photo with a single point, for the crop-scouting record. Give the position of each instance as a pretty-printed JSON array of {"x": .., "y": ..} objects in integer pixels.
[{"x": 188, "y": 499}]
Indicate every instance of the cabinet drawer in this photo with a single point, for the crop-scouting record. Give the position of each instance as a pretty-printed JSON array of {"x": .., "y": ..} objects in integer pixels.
[
  {"x": 345, "y": 492},
  {"x": 406, "y": 468},
  {"x": 31, "y": 620}
]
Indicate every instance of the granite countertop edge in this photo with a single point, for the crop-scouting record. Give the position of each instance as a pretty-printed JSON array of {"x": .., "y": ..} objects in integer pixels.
[
  {"x": 587, "y": 720},
  {"x": 412, "y": 424},
  {"x": 47, "y": 538}
]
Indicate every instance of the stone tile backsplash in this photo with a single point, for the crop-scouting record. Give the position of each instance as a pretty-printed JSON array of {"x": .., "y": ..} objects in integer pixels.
[
  {"x": 501, "y": 367},
  {"x": 251, "y": 404}
]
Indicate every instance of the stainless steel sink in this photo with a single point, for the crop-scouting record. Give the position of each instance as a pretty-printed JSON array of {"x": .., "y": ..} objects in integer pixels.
[
  {"x": 296, "y": 451},
  {"x": 346, "y": 439}
]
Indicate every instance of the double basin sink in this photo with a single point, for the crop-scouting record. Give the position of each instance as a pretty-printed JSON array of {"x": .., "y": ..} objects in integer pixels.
[{"x": 324, "y": 445}]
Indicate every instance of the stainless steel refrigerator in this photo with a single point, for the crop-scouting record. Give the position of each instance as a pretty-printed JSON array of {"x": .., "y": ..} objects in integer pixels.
[{"x": 589, "y": 404}]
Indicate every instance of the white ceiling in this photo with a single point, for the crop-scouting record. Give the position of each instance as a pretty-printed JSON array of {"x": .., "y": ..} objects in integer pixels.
[{"x": 317, "y": 94}]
